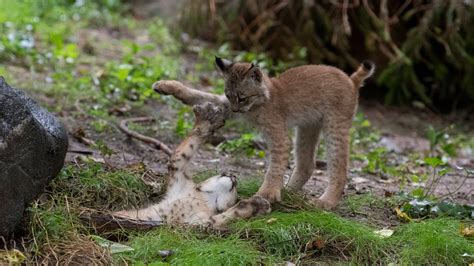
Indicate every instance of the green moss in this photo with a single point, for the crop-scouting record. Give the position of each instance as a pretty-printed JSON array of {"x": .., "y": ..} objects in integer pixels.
[
  {"x": 434, "y": 241},
  {"x": 356, "y": 203},
  {"x": 189, "y": 248},
  {"x": 248, "y": 187},
  {"x": 97, "y": 186},
  {"x": 286, "y": 235}
]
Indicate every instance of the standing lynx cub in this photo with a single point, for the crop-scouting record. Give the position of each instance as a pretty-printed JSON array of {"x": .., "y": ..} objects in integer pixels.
[{"x": 312, "y": 98}]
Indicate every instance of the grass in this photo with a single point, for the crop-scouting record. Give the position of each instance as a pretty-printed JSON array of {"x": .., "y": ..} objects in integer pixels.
[
  {"x": 190, "y": 248},
  {"x": 434, "y": 241},
  {"x": 54, "y": 225},
  {"x": 299, "y": 235},
  {"x": 288, "y": 235},
  {"x": 355, "y": 203},
  {"x": 99, "y": 186}
]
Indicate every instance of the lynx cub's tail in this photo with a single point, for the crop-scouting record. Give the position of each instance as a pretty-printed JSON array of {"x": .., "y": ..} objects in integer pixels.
[{"x": 365, "y": 70}]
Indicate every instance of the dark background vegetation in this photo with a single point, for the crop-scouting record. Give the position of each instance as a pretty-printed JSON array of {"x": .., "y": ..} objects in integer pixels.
[{"x": 424, "y": 50}]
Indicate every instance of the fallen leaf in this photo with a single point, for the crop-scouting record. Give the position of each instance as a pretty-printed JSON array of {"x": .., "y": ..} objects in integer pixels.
[
  {"x": 467, "y": 231},
  {"x": 114, "y": 247},
  {"x": 13, "y": 256},
  {"x": 402, "y": 215},
  {"x": 315, "y": 244},
  {"x": 358, "y": 180},
  {"x": 165, "y": 253},
  {"x": 388, "y": 181},
  {"x": 383, "y": 233},
  {"x": 271, "y": 220}
]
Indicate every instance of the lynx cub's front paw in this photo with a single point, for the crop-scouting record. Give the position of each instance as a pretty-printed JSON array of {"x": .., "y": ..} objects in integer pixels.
[
  {"x": 210, "y": 113},
  {"x": 166, "y": 87},
  {"x": 323, "y": 204},
  {"x": 269, "y": 193}
]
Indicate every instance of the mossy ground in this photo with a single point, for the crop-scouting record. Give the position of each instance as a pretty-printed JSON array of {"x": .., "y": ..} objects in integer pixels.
[{"x": 292, "y": 232}]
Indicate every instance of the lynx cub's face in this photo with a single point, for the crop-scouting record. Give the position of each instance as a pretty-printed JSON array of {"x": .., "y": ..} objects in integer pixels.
[
  {"x": 220, "y": 192},
  {"x": 244, "y": 87}
]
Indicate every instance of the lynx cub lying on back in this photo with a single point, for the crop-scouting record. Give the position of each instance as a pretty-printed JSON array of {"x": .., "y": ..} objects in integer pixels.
[
  {"x": 312, "y": 98},
  {"x": 188, "y": 203}
]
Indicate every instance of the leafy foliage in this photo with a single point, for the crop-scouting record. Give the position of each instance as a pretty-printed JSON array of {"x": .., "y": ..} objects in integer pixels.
[
  {"x": 423, "y": 48},
  {"x": 243, "y": 144}
]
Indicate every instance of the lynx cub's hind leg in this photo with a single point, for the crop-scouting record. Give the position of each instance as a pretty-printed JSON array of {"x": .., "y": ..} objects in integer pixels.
[
  {"x": 337, "y": 150},
  {"x": 306, "y": 141}
]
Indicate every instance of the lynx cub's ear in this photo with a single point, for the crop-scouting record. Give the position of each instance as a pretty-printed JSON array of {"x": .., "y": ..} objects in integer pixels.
[
  {"x": 223, "y": 64},
  {"x": 255, "y": 73}
]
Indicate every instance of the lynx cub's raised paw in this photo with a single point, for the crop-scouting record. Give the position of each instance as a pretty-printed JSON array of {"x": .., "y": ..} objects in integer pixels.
[
  {"x": 167, "y": 87},
  {"x": 186, "y": 202},
  {"x": 209, "y": 117}
]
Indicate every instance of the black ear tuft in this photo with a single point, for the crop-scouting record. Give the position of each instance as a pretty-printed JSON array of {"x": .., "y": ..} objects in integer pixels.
[
  {"x": 223, "y": 64},
  {"x": 368, "y": 65},
  {"x": 219, "y": 63}
]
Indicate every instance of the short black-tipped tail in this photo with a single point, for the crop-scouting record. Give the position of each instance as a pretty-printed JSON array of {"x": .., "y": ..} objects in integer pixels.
[{"x": 365, "y": 70}]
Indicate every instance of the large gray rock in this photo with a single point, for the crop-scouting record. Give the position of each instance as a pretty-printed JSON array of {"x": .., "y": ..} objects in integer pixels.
[{"x": 33, "y": 145}]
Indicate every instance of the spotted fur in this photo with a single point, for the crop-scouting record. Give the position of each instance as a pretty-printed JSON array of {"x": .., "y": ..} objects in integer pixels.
[
  {"x": 312, "y": 98},
  {"x": 186, "y": 202}
]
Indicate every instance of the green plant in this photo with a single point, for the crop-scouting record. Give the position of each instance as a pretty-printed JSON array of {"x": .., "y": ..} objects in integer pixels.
[
  {"x": 363, "y": 134},
  {"x": 243, "y": 144},
  {"x": 184, "y": 122},
  {"x": 132, "y": 77},
  {"x": 407, "y": 38},
  {"x": 442, "y": 143}
]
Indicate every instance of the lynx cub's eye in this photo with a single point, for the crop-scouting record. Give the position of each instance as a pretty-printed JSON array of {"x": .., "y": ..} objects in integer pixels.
[{"x": 241, "y": 100}]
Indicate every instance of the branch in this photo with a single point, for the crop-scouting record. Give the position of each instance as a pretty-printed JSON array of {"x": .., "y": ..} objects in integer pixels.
[
  {"x": 154, "y": 142},
  {"x": 103, "y": 222}
]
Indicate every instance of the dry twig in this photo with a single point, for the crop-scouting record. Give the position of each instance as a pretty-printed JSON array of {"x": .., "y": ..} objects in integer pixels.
[{"x": 133, "y": 134}]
